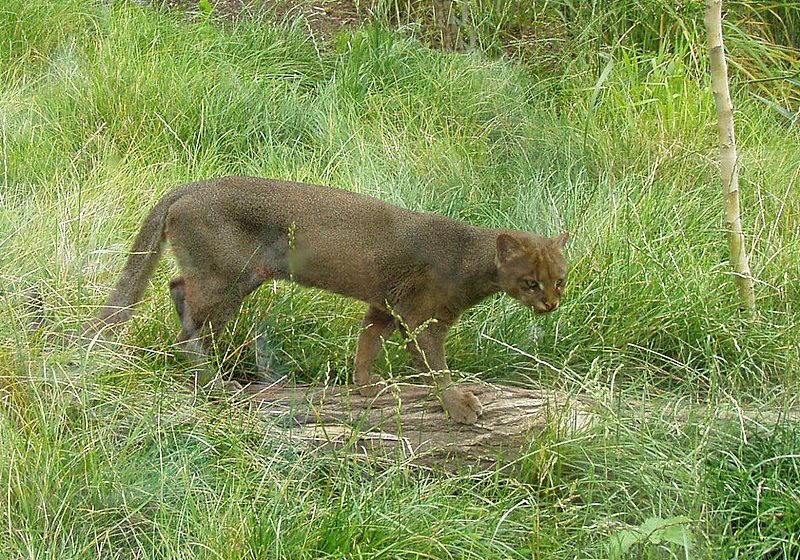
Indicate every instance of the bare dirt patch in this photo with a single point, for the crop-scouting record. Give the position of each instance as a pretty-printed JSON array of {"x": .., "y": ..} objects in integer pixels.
[{"x": 323, "y": 17}]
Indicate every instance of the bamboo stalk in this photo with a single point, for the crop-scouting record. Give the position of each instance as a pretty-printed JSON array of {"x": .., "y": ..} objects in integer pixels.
[{"x": 728, "y": 158}]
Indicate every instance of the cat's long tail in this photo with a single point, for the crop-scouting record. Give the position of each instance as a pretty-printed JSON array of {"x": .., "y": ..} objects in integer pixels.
[{"x": 144, "y": 256}]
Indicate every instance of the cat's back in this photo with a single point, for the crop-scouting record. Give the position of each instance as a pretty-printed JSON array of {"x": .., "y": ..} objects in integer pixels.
[
  {"x": 331, "y": 216},
  {"x": 256, "y": 194}
]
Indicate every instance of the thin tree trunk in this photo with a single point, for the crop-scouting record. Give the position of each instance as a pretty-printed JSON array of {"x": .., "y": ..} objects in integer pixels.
[
  {"x": 446, "y": 23},
  {"x": 728, "y": 159}
]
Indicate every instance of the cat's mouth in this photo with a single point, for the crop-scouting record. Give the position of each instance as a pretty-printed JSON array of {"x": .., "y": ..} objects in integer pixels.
[{"x": 543, "y": 309}]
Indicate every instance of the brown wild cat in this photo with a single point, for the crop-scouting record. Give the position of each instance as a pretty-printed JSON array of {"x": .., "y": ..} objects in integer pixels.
[{"x": 229, "y": 235}]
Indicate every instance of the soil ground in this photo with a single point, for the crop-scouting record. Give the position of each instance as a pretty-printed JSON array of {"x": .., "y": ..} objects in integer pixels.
[{"x": 324, "y": 17}]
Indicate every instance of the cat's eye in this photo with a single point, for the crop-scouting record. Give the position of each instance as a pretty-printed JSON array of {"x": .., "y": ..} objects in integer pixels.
[
  {"x": 560, "y": 284},
  {"x": 533, "y": 285}
]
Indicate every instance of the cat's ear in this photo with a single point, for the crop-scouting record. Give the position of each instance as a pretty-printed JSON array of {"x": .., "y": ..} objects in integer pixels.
[
  {"x": 562, "y": 239},
  {"x": 507, "y": 247}
]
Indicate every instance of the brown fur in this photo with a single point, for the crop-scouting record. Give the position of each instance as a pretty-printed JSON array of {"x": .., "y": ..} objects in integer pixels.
[{"x": 229, "y": 235}]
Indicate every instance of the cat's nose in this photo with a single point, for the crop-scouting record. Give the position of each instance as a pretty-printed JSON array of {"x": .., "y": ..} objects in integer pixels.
[{"x": 550, "y": 305}]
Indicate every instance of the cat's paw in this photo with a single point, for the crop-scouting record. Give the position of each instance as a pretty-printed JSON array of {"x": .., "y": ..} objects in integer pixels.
[
  {"x": 462, "y": 406},
  {"x": 232, "y": 387},
  {"x": 373, "y": 387},
  {"x": 218, "y": 387}
]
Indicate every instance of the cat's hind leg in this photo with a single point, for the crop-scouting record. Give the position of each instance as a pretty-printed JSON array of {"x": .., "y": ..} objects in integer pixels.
[{"x": 204, "y": 309}]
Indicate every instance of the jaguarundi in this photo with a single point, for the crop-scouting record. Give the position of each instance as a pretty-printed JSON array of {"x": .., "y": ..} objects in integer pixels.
[{"x": 413, "y": 269}]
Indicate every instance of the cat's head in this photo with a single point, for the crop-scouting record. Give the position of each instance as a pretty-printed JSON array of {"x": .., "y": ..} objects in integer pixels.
[{"x": 532, "y": 269}]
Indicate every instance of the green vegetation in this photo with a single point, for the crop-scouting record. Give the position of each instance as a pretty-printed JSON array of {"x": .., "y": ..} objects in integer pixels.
[{"x": 103, "y": 108}]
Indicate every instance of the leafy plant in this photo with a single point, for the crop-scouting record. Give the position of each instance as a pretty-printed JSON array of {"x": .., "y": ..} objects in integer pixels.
[
  {"x": 653, "y": 531},
  {"x": 205, "y": 7}
]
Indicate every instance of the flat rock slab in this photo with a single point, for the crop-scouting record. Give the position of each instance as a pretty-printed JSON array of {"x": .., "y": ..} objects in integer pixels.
[{"x": 407, "y": 422}]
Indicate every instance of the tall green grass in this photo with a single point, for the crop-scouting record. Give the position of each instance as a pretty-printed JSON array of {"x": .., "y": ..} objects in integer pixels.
[
  {"x": 104, "y": 108},
  {"x": 564, "y": 36}
]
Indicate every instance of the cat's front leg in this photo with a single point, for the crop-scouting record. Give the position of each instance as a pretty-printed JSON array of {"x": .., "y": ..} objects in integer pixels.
[
  {"x": 378, "y": 326},
  {"x": 427, "y": 349}
]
